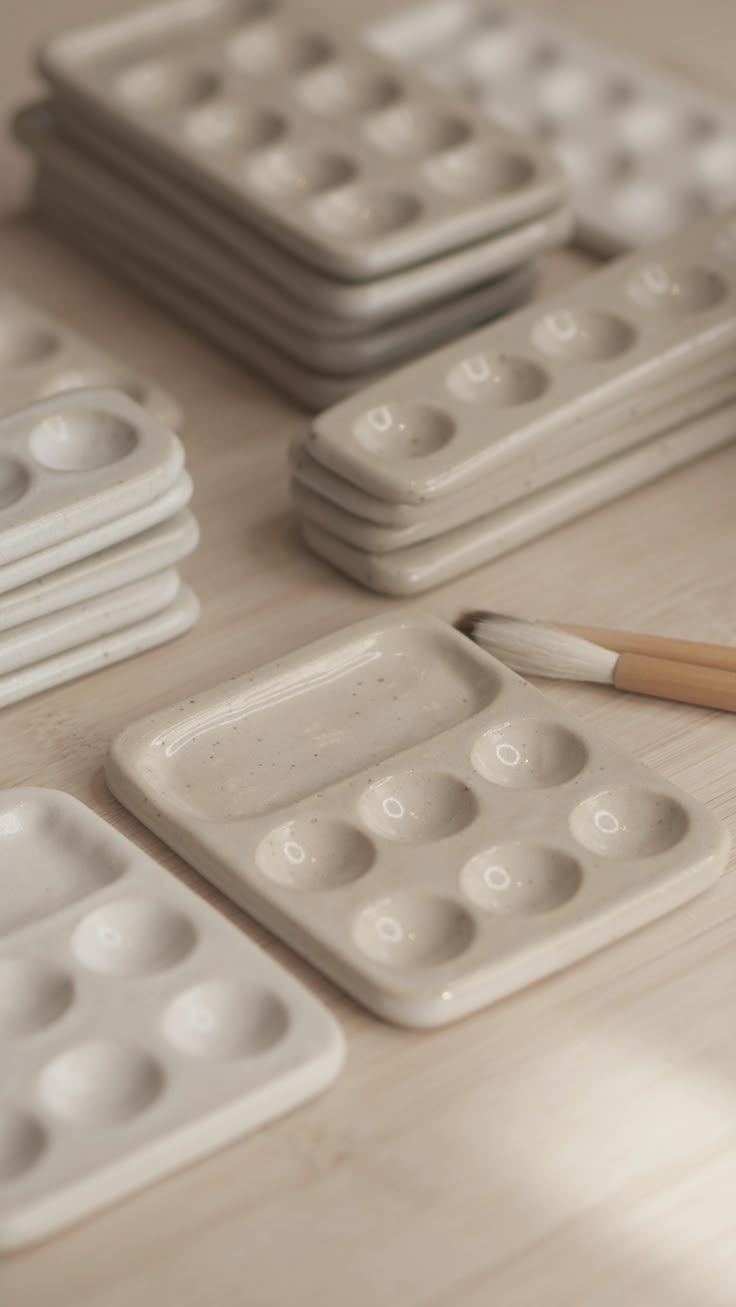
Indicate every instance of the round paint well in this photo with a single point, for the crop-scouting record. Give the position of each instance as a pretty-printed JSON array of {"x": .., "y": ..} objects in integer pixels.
[
  {"x": 408, "y": 931},
  {"x": 291, "y": 171},
  {"x": 222, "y": 1020},
  {"x": 529, "y": 754},
  {"x": 404, "y": 430},
  {"x": 629, "y": 823},
  {"x": 133, "y": 937},
  {"x": 360, "y": 211},
  {"x": 100, "y": 1083},
  {"x": 346, "y": 90},
  {"x": 582, "y": 334},
  {"x": 33, "y": 994},
  {"x": 158, "y": 85},
  {"x": 676, "y": 289},
  {"x": 520, "y": 879},
  {"x": 414, "y": 807},
  {"x": 315, "y": 853},
  {"x": 81, "y": 440},
  {"x": 497, "y": 380}
]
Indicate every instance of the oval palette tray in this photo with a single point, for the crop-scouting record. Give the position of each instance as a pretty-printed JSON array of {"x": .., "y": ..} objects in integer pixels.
[{"x": 415, "y": 819}]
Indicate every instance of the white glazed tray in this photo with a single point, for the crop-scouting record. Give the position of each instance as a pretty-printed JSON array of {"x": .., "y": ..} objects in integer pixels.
[
  {"x": 41, "y": 356},
  {"x": 84, "y": 546},
  {"x": 419, "y": 567},
  {"x": 358, "y": 306},
  {"x": 132, "y": 560},
  {"x": 401, "y": 176},
  {"x": 72, "y": 462},
  {"x": 437, "y": 425},
  {"x": 646, "y": 152},
  {"x": 95, "y": 655},
  {"x": 624, "y": 428},
  {"x": 414, "y": 818},
  {"x": 140, "y": 1029},
  {"x": 176, "y": 248}
]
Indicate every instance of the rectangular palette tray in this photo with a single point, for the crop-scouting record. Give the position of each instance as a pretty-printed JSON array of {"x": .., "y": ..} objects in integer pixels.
[
  {"x": 646, "y": 151},
  {"x": 347, "y": 308},
  {"x": 419, "y": 567},
  {"x": 150, "y": 552},
  {"x": 626, "y": 427},
  {"x": 140, "y": 1029},
  {"x": 413, "y": 818},
  {"x": 174, "y": 246},
  {"x": 98, "y": 654},
  {"x": 42, "y": 356},
  {"x": 436, "y": 425},
  {"x": 72, "y": 462},
  {"x": 242, "y": 106},
  {"x": 36, "y": 566}
]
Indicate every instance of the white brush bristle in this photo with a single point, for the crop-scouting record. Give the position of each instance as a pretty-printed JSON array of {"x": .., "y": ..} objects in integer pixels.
[{"x": 533, "y": 649}]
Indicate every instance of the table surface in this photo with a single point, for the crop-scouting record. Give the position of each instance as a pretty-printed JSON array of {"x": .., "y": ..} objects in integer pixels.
[{"x": 575, "y": 1144}]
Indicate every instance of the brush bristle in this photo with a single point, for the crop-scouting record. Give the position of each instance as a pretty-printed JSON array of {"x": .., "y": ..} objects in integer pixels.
[{"x": 533, "y": 649}]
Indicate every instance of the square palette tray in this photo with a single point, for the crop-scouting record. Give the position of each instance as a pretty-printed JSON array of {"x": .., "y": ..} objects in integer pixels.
[
  {"x": 40, "y": 357},
  {"x": 413, "y": 818},
  {"x": 436, "y": 426},
  {"x": 646, "y": 151},
  {"x": 73, "y": 462},
  {"x": 339, "y": 154},
  {"x": 140, "y": 1030}
]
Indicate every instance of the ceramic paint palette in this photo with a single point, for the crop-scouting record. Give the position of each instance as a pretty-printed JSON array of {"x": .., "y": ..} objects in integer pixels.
[
  {"x": 338, "y": 154},
  {"x": 140, "y": 1029},
  {"x": 41, "y": 357},
  {"x": 132, "y": 560},
  {"x": 74, "y": 461},
  {"x": 438, "y": 425},
  {"x": 646, "y": 152},
  {"x": 413, "y": 818},
  {"x": 417, "y": 567}
]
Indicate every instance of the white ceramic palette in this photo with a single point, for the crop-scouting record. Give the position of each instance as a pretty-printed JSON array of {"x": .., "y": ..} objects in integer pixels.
[
  {"x": 36, "y": 566},
  {"x": 646, "y": 152},
  {"x": 437, "y": 425},
  {"x": 370, "y": 523},
  {"x": 292, "y": 289},
  {"x": 418, "y": 567},
  {"x": 140, "y": 1030},
  {"x": 40, "y": 357},
  {"x": 72, "y": 462},
  {"x": 149, "y": 552},
  {"x": 128, "y": 217},
  {"x": 242, "y": 104},
  {"x": 94, "y": 655},
  {"x": 415, "y": 819}
]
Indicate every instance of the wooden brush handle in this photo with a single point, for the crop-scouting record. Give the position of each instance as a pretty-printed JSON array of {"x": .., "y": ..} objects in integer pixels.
[
  {"x": 664, "y": 678},
  {"x": 657, "y": 646}
]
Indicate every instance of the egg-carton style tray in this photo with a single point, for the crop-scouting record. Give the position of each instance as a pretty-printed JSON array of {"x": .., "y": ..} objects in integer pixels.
[
  {"x": 131, "y": 560},
  {"x": 419, "y": 567},
  {"x": 72, "y": 462},
  {"x": 413, "y": 818},
  {"x": 352, "y": 512},
  {"x": 95, "y": 655},
  {"x": 72, "y": 221},
  {"x": 36, "y": 567},
  {"x": 437, "y": 425},
  {"x": 140, "y": 1029},
  {"x": 89, "y": 619},
  {"x": 646, "y": 151},
  {"x": 345, "y": 308},
  {"x": 241, "y": 105},
  {"x": 41, "y": 356},
  {"x": 178, "y": 248}
]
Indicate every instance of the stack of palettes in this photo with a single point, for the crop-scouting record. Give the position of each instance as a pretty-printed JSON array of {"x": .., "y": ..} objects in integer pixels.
[
  {"x": 528, "y": 423},
  {"x": 93, "y": 516},
  {"x": 314, "y": 208}
]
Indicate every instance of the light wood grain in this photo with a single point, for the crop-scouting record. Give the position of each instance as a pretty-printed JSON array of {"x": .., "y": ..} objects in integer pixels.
[{"x": 572, "y": 1147}]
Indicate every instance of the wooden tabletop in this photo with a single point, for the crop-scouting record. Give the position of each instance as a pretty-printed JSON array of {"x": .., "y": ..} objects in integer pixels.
[{"x": 574, "y": 1146}]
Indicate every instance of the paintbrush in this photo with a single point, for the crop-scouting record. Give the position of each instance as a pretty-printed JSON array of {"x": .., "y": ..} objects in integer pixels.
[{"x": 682, "y": 670}]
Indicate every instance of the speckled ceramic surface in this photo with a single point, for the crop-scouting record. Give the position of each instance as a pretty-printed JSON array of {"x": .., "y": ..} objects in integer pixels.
[
  {"x": 646, "y": 151},
  {"x": 437, "y": 425},
  {"x": 415, "y": 819},
  {"x": 127, "y": 216},
  {"x": 334, "y": 503},
  {"x": 41, "y": 564},
  {"x": 150, "y": 552},
  {"x": 76, "y": 460},
  {"x": 93, "y": 655},
  {"x": 140, "y": 1030},
  {"x": 41, "y": 356},
  {"x": 419, "y": 567},
  {"x": 349, "y": 308},
  {"x": 338, "y": 154}
]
